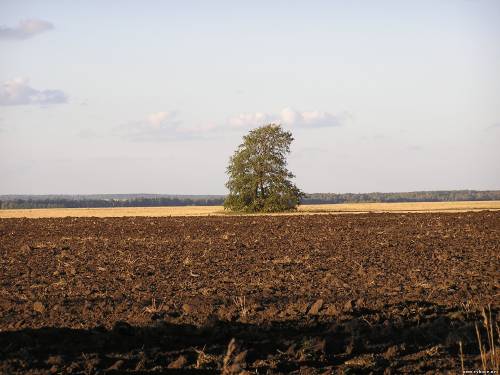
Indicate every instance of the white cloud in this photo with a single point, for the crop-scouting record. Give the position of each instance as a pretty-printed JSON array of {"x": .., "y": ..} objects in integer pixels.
[
  {"x": 244, "y": 120},
  {"x": 18, "y": 92},
  {"x": 313, "y": 119},
  {"x": 158, "y": 126},
  {"x": 165, "y": 125},
  {"x": 25, "y": 29},
  {"x": 287, "y": 116}
]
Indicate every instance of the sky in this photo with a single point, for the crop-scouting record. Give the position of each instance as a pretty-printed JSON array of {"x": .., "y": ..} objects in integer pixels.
[{"x": 155, "y": 96}]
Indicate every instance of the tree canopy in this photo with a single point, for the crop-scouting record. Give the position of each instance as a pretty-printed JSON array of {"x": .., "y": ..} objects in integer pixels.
[{"x": 259, "y": 180}]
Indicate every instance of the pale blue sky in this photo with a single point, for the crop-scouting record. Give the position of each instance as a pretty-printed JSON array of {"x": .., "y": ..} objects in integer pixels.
[{"x": 154, "y": 96}]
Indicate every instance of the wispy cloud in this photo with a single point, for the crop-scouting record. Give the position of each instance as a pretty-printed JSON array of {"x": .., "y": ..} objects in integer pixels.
[
  {"x": 159, "y": 126},
  {"x": 155, "y": 126},
  {"x": 18, "y": 92},
  {"x": 288, "y": 116},
  {"x": 25, "y": 29}
]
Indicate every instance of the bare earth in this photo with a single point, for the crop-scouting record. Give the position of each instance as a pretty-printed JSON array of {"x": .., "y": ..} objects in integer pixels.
[
  {"x": 218, "y": 210},
  {"x": 371, "y": 293}
]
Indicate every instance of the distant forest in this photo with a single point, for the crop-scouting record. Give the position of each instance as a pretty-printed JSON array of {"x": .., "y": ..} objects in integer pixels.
[{"x": 157, "y": 200}]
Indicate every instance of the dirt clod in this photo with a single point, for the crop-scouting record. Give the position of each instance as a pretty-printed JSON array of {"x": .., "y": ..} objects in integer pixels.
[
  {"x": 117, "y": 365},
  {"x": 55, "y": 360},
  {"x": 25, "y": 249},
  {"x": 331, "y": 311},
  {"x": 316, "y": 306},
  {"x": 187, "y": 308},
  {"x": 349, "y": 306},
  {"x": 38, "y": 307},
  {"x": 180, "y": 362}
]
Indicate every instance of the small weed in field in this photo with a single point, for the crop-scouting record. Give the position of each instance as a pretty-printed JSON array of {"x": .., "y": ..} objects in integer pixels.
[
  {"x": 489, "y": 356},
  {"x": 205, "y": 360},
  {"x": 461, "y": 357},
  {"x": 234, "y": 361},
  {"x": 240, "y": 303},
  {"x": 489, "y": 346},
  {"x": 468, "y": 307},
  {"x": 154, "y": 308}
]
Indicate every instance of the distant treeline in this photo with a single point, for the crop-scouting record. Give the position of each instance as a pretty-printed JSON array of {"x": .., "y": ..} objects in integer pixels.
[
  {"x": 108, "y": 202},
  {"x": 416, "y": 196},
  {"x": 157, "y": 200}
]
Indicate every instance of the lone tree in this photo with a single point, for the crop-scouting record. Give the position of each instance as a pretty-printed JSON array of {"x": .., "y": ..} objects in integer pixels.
[{"x": 258, "y": 178}]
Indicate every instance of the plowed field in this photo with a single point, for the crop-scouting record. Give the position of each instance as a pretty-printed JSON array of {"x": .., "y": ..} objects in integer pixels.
[{"x": 366, "y": 293}]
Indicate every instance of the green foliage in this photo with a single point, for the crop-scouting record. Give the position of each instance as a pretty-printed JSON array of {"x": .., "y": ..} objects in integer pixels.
[{"x": 258, "y": 178}]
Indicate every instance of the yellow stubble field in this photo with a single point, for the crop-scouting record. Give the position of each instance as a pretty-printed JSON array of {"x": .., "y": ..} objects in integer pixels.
[{"x": 218, "y": 210}]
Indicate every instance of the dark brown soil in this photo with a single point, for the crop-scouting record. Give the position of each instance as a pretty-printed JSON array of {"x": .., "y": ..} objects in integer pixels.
[{"x": 370, "y": 293}]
